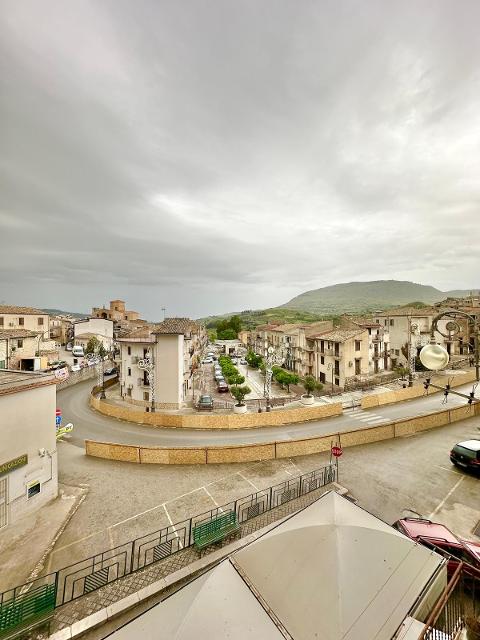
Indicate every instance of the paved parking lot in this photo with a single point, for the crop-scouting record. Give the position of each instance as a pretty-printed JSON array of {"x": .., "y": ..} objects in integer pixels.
[{"x": 126, "y": 501}]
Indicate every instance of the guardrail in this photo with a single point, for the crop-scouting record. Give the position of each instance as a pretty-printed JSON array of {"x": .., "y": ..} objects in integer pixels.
[{"x": 88, "y": 575}]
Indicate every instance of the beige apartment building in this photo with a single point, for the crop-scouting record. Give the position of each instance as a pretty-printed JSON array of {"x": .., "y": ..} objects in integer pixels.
[
  {"x": 338, "y": 355},
  {"x": 25, "y": 318},
  {"x": 61, "y": 329},
  {"x": 28, "y": 454},
  {"x": 176, "y": 345}
]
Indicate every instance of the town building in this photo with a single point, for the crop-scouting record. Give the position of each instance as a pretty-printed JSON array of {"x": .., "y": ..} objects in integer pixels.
[
  {"x": 338, "y": 355},
  {"x": 331, "y": 570},
  {"x": 100, "y": 328},
  {"x": 61, "y": 329},
  {"x": 378, "y": 342},
  {"x": 409, "y": 330},
  {"x": 28, "y": 455},
  {"x": 20, "y": 349},
  {"x": 176, "y": 346},
  {"x": 115, "y": 312},
  {"x": 25, "y": 318}
]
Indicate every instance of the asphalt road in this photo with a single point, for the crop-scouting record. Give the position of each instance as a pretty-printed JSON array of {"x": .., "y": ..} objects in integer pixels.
[{"x": 91, "y": 425}]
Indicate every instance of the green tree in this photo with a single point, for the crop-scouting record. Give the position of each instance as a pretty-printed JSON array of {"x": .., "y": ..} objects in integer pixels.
[
  {"x": 286, "y": 378},
  {"x": 310, "y": 385},
  {"x": 253, "y": 360},
  {"x": 239, "y": 394},
  {"x": 93, "y": 345},
  {"x": 235, "y": 378},
  {"x": 226, "y": 334}
]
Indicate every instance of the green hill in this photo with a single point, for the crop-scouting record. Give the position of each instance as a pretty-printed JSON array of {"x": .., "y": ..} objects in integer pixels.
[
  {"x": 252, "y": 318},
  {"x": 367, "y": 296}
]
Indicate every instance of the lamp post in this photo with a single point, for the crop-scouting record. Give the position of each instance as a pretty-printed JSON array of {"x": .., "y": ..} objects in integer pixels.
[
  {"x": 434, "y": 356},
  {"x": 330, "y": 367},
  {"x": 148, "y": 365},
  {"x": 271, "y": 357}
]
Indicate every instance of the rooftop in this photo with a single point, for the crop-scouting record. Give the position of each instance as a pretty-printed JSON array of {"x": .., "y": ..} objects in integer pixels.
[
  {"x": 18, "y": 333},
  {"x": 409, "y": 311},
  {"x": 7, "y": 308},
  {"x": 15, "y": 381},
  {"x": 339, "y": 335},
  {"x": 176, "y": 326}
]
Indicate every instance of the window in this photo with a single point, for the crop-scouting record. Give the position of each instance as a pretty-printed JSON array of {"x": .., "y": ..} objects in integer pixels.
[
  {"x": 126, "y": 317},
  {"x": 129, "y": 371},
  {"x": 337, "y": 382},
  {"x": 1, "y": 321},
  {"x": 397, "y": 352},
  {"x": 385, "y": 322},
  {"x": 129, "y": 351},
  {"x": 357, "y": 345},
  {"x": 357, "y": 366},
  {"x": 145, "y": 396},
  {"x": 33, "y": 489},
  {"x": 129, "y": 392},
  {"x": 145, "y": 353},
  {"x": 391, "y": 323},
  {"x": 21, "y": 321},
  {"x": 322, "y": 360},
  {"x": 40, "y": 321},
  {"x": 322, "y": 345},
  {"x": 20, "y": 344}
]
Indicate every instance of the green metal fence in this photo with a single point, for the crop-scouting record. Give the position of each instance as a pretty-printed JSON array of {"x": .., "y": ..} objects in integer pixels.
[{"x": 27, "y": 609}]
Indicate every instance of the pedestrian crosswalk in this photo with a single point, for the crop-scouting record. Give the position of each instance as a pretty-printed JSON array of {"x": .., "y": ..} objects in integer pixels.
[{"x": 367, "y": 417}]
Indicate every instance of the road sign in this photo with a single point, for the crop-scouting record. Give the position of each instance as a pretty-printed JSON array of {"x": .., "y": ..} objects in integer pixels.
[
  {"x": 58, "y": 412},
  {"x": 337, "y": 451}
]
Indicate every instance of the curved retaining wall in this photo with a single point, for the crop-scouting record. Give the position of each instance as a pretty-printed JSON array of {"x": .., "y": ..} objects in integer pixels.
[
  {"x": 212, "y": 421},
  {"x": 389, "y": 397},
  {"x": 273, "y": 450}
]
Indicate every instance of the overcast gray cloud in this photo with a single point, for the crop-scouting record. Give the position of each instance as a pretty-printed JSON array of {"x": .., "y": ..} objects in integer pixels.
[{"x": 210, "y": 156}]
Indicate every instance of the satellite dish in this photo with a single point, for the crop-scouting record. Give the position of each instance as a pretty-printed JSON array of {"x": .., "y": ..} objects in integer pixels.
[{"x": 434, "y": 357}]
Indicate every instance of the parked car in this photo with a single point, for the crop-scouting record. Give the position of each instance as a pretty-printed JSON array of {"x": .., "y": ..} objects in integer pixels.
[
  {"x": 110, "y": 371},
  {"x": 438, "y": 536},
  {"x": 69, "y": 346},
  {"x": 205, "y": 403},
  {"x": 207, "y": 360},
  {"x": 219, "y": 377},
  {"x": 75, "y": 367},
  {"x": 222, "y": 386},
  {"x": 243, "y": 361},
  {"x": 77, "y": 352},
  {"x": 466, "y": 455},
  {"x": 57, "y": 364}
]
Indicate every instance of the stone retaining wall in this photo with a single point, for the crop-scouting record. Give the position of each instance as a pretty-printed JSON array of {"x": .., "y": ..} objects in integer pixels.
[
  {"x": 274, "y": 450},
  {"x": 389, "y": 397},
  {"x": 217, "y": 421}
]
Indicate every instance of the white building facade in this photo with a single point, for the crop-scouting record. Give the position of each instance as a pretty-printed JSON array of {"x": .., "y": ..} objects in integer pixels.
[
  {"x": 28, "y": 455},
  {"x": 101, "y": 328}
]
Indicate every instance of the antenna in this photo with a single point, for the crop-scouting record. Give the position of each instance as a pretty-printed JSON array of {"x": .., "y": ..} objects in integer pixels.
[{"x": 163, "y": 309}]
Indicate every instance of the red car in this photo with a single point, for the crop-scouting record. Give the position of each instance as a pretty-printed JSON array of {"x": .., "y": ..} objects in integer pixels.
[
  {"x": 222, "y": 387},
  {"x": 437, "y": 536}
]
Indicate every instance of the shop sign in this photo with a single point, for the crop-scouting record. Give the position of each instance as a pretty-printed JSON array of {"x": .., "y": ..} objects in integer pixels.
[{"x": 22, "y": 460}]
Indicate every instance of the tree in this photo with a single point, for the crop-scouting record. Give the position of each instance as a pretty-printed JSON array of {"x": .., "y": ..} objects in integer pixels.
[
  {"x": 229, "y": 328},
  {"x": 310, "y": 385},
  {"x": 93, "y": 345},
  {"x": 253, "y": 360},
  {"x": 286, "y": 378},
  {"x": 235, "y": 378},
  {"x": 226, "y": 334},
  {"x": 102, "y": 352},
  {"x": 239, "y": 394}
]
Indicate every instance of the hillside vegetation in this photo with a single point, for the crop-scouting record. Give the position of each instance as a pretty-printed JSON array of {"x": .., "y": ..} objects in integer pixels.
[
  {"x": 367, "y": 296},
  {"x": 251, "y": 319}
]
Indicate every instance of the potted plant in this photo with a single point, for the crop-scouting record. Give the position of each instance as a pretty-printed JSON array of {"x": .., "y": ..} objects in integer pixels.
[
  {"x": 239, "y": 394},
  {"x": 310, "y": 385}
]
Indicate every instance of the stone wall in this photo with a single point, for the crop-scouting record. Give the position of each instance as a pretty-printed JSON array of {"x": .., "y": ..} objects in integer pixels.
[
  {"x": 217, "y": 421},
  {"x": 389, "y": 397},
  {"x": 274, "y": 450}
]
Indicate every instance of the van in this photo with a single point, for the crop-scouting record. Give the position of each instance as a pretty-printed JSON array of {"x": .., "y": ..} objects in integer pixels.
[{"x": 77, "y": 352}]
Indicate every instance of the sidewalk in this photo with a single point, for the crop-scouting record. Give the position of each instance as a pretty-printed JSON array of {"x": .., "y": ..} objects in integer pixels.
[{"x": 26, "y": 545}]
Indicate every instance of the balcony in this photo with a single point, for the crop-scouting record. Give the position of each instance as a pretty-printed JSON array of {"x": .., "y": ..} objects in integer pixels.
[{"x": 142, "y": 382}]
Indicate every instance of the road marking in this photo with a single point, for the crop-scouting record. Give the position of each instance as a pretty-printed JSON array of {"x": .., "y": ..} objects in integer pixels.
[
  {"x": 142, "y": 513},
  {"x": 446, "y": 497},
  {"x": 212, "y": 499},
  {"x": 457, "y": 473},
  {"x": 110, "y": 537},
  {"x": 247, "y": 480},
  {"x": 174, "y": 530}
]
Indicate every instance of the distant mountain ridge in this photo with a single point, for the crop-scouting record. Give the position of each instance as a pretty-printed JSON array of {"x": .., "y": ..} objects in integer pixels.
[
  {"x": 59, "y": 312},
  {"x": 368, "y": 296}
]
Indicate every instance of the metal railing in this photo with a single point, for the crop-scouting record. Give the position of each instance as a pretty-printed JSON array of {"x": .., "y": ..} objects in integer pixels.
[{"x": 85, "y": 576}]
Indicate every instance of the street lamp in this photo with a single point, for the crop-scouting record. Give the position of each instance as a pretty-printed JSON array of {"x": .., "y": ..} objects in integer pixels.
[
  {"x": 148, "y": 365},
  {"x": 434, "y": 356},
  {"x": 330, "y": 366},
  {"x": 271, "y": 358}
]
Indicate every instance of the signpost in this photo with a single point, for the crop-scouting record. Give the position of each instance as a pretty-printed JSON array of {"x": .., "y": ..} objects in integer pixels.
[
  {"x": 336, "y": 451},
  {"x": 58, "y": 418}
]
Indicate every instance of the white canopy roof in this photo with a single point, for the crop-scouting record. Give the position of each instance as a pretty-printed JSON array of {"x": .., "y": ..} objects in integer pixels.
[
  {"x": 215, "y": 606},
  {"x": 334, "y": 571},
  {"x": 330, "y": 572}
]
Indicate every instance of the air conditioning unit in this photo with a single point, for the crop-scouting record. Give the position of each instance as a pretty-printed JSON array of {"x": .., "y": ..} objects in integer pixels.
[
  {"x": 11, "y": 324},
  {"x": 350, "y": 364},
  {"x": 130, "y": 386}
]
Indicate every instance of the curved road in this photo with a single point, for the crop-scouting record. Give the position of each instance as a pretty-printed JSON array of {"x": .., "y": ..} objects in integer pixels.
[{"x": 89, "y": 424}]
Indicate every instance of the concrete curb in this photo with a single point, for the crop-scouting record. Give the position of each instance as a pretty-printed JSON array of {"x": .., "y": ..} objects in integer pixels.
[{"x": 123, "y": 605}]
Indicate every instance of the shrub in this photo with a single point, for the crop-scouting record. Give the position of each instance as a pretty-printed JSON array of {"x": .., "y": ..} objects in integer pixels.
[
  {"x": 310, "y": 385},
  {"x": 239, "y": 394}
]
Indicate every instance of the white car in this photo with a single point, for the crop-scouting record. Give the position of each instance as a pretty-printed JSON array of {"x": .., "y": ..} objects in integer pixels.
[
  {"x": 75, "y": 367},
  {"x": 207, "y": 360}
]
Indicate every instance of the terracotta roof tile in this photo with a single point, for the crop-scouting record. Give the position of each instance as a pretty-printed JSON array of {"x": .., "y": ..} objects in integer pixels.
[
  {"x": 176, "y": 326},
  {"x": 19, "y": 333},
  {"x": 7, "y": 308},
  {"x": 339, "y": 335}
]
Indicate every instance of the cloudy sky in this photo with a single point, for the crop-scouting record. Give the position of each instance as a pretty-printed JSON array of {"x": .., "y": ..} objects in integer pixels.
[{"x": 216, "y": 155}]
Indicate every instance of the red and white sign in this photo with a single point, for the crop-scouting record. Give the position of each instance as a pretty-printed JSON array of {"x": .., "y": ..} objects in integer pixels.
[
  {"x": 337, "y": 451},
  {"x": 58, "y": 412}
]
